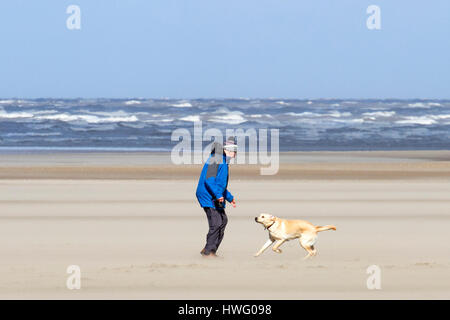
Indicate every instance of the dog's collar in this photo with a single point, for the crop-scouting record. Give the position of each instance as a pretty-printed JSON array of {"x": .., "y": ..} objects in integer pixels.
[{"x": 270, "y": 225}]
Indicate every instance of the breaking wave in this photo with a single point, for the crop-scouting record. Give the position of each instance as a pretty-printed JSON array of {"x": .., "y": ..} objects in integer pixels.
[{"x": 319, "y": 124}]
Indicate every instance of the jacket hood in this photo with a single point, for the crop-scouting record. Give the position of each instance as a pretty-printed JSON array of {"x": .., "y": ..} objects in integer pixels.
[{"x": 216, "y": 148}]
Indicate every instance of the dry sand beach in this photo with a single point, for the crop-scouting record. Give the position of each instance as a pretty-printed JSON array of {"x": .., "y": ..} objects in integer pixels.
[{"x": 133, "y": 225}]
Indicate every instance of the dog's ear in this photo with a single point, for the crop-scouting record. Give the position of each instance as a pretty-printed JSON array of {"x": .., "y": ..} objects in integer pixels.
[{"x": 272, "y": 218}]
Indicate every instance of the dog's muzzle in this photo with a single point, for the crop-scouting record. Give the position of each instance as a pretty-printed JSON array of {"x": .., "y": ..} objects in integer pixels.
[{"x": 256, "y": 219}]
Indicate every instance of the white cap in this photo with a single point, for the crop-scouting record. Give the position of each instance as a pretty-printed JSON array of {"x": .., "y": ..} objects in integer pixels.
[{"x": 230, "y": 144}]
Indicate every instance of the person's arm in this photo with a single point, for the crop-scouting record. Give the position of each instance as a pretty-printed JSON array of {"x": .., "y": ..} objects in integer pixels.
[
  {"x": 224, "y": 179},
  {"x": 228, "y": 196}
]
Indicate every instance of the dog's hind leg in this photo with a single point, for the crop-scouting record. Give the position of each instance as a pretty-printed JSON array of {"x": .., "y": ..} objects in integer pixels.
[
  {"x": 264, "y": 247},
  {"x": 311, "y": 252},
  {"x": 277, "y": 245},
  {"x": 309, "y": 248}
]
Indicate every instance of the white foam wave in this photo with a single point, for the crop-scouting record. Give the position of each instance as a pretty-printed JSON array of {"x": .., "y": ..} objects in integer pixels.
[
  {"x": 303, "y": 114},
  {"x": 134, "y": 125},
  {"x": 13, "y": 115},
  {"x": 17, "y": 102},
  {"x": 230, "y": 119},
  {"x": 87, "y": 118},
  {"x": 132, "y": 102},
  {"x": 182, "y": 105},
  {"x": 44, "y": 112},
  {"x": 33, "y": 134},
  {"x": 424, "y": 105},
  {"x": 425, "y": 120},
  {"x": 337, "y": 114},
  {"x": 441, "y": 116},
  {"x": 6, "y": 101},
  {"x": 418, "y": 105},
  {"x": 165, "y": 120},
  {"x": 92, "y": 117},
  {"x": 334, "y": 114},
  {"x": 379, "y": 114},
  {"x": 349, "y": 120},
  {"x": 118, "y": 113},
  {"x": 191, "y": 118},
  {"x": 234, "y": 117}
]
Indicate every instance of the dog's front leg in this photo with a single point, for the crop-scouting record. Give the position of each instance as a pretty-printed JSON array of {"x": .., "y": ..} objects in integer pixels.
[
  {"x": 264, "y": 247},
  {"x": 277, "y": 245}
]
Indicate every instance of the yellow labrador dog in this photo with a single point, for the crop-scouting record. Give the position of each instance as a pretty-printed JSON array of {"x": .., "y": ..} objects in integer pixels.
[{"x": 283, "y": 230}]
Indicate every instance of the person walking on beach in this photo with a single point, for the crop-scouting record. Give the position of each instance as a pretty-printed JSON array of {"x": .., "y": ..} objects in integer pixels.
[{"x": 212, "y": 193}]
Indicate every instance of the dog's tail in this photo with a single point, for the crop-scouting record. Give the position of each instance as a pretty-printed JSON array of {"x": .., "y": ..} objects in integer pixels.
[{"x": 325, "y": 228}]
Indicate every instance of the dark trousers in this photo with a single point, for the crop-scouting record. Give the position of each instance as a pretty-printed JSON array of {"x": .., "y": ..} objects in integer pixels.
[{"x": 217, "y": 221}]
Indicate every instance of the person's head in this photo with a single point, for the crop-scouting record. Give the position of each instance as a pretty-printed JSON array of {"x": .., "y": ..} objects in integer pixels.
[{"x": 230, "y": 147}]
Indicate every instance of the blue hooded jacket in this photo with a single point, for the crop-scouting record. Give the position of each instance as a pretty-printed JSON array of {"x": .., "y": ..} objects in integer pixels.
[{"x": 213, "y": 183}]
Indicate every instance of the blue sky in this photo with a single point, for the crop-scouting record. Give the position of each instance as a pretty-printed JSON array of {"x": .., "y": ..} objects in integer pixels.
[{"x": 225, "y": 49}]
